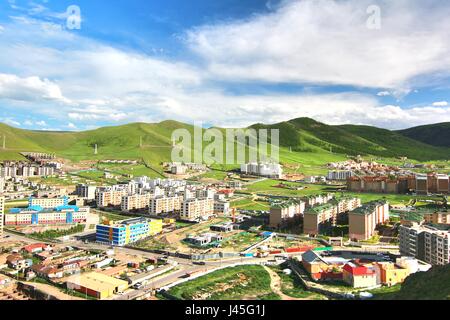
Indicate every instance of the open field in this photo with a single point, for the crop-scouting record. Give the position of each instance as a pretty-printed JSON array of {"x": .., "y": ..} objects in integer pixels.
[
  {"x": 292, "y": 286},
  {"x": 234, "y": 283}
]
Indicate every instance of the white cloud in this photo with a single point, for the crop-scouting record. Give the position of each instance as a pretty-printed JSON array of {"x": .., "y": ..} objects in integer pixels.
[
  {"x": 10, "y": 122},
  {"x": 440, "y": 104},
  {"x": 33, "y": 88},
  {"x": 71, "y": 78},
  {"x": 323, "y": 41},
  {"x": 383, "y": 93}
]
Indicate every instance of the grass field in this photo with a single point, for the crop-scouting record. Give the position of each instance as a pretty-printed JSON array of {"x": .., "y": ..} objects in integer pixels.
[
  {"x": 292, "y": 286},
  {"x": 234, "y": 283}
]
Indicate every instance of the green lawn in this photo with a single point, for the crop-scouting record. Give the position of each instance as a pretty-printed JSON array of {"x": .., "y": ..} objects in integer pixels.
[{"x": 235, "y": 283}]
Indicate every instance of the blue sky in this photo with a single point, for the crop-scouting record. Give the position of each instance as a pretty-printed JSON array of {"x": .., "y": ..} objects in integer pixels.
[{"x": 226, "y": 62}]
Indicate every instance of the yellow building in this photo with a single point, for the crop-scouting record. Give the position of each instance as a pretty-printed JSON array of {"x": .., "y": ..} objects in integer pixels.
[
  {"x": 390, "y": 274},
  {"x": 96, "y": 285}
]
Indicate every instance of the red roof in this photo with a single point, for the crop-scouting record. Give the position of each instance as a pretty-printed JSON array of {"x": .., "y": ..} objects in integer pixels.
[
  {"x": 358, "y": 270},
  {"x": 225, "y": 191},
  {"x": 34, "y": 246}
]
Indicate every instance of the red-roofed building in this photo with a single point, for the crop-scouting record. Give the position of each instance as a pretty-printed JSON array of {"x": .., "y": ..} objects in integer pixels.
[
  {"x": 37, "y": 247},
  {"x": 359, "y": 276}
]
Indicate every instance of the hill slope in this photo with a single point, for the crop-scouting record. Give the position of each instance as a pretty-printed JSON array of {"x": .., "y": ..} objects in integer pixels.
[
  {"x": 434, "y": 134},
  {"x": 303, "y": 136}
]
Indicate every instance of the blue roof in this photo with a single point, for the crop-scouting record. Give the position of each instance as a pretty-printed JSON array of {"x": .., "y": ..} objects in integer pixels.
[
  {"x": 35, "y": 208},
  {"x": 67, "y": 207}
]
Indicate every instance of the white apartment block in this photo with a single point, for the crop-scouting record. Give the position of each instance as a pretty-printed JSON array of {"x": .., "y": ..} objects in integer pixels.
[
  {"x": 86, "y": 191},
  {"x": 318, "y": 199},
  {"x": 135, "y": 202},
  {"x": 110, "y": 196},
  {"x": 47, "y": 203},
  {"x": 221, "y": 207},
  {"x": 339, "y": 175},
  {"x": 270, "y": 170},
  {"x": 165, "y": 204},
  {"x": 197, "y": 209},
  {"x": 426, "y": 243}
]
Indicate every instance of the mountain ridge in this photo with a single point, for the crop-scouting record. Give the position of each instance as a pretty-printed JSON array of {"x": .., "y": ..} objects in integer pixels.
[{"x": 298, "y": 135}]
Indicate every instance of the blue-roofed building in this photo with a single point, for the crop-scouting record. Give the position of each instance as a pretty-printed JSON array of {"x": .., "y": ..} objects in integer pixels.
[{"x": 38, "y": 215}]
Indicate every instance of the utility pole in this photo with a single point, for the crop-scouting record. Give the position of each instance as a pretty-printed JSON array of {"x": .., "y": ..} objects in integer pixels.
[
  {"x": 4, "y": 142},
  {"x": 95, "y": 149},
  {"x": 140, "y": 142}
]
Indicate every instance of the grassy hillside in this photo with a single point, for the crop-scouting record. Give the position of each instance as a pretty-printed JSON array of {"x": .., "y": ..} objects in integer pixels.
[
  {"x": 435, "y": 134},
  {"x": 302, "y": 141},
  {"x": 304, "y": 134}
]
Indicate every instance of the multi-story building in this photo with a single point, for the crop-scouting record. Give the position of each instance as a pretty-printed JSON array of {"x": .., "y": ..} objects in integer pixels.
[
  {"x": 44, "y": 216},
  {"x": 364, "y": 220},
  {"x": 48, "y": 203},
  {"x": 221, "y": 207},
  {"x": 270, "y": 170},
  {"x": 165, "y": 204},
  {"x": 86, "y": 191},
  {"x": 2, "y": 211},
  {"x": 197, "y": 209},
  {"x": 135, "y": 202},
  {"x": 128, "y": 231},
  {"x": 313, "y": 200},
  {"x": 282, "y": 212},
  {"x": 320, "y": 216},
  {"x": 340, "y": 175},
  {"x": 430, "y": 243},
  {"x": 110, "y": 196},
  {"x": 437, "y": 217}
]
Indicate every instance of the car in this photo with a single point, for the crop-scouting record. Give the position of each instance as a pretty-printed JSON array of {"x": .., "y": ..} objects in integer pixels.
[{"x": 138, "y": 286}]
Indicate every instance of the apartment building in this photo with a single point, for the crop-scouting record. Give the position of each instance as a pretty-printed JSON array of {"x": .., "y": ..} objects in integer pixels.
[
  {"x": 48, "y": 203},
  {"x": 221, "y": 207},
  {"x": 430, "y": 243},
  {"x": 135, "y": 202},
  {"x": 197, "y": 209},
  {"x": 10, "y": 169},
  {"x": 86, "y": 191},
  {"x": 340, "y": 175},
  {"x": 283, "y": 212},
  {"x": 317, "y": 217},
  {"x": 128, "y": 231},
  {"x": 437, "y": 218},
  {"x": 164, "y": 204},
  {"x": 2, "y": 212},
  {"x": 320, "y": 216},
  {"x": 313, "y": 200},
  {"x": 364, "y": 220},
  {"x": 110, "y": 196},
  {"x": 269, "y": 170}
]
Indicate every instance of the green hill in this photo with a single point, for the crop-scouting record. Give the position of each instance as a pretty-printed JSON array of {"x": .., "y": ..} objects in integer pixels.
[
  {"x": 434, "y": 134},
  {"x": 311, "y": 142},
  {"x": 305, "y": 134}
]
